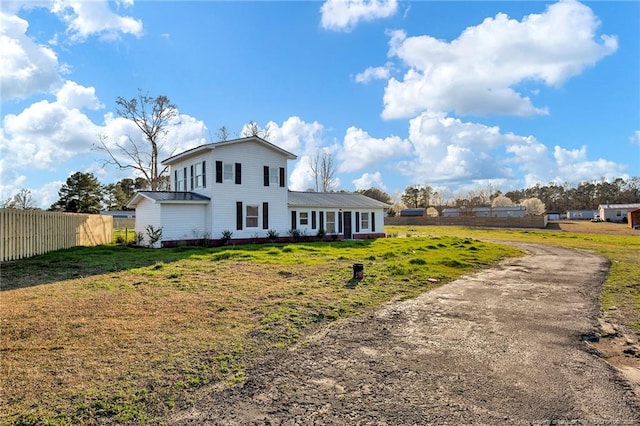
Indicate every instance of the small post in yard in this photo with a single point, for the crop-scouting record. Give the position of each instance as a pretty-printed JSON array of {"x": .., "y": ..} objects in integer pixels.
[{"x": 358, "y": 271}]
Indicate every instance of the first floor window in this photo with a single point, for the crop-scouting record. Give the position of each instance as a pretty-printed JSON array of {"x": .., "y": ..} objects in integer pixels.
[
  {"x": 304, "y": 218},
  {"x": 364, "y": 220},
  {"x": 331, "y": 222},
  {"x": 252, "y": 217}
]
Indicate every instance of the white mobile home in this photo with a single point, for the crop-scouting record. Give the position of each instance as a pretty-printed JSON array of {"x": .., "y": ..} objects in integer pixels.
[
  {"x": 582, "y": 214},
  {"x": 616, "y": 212}
]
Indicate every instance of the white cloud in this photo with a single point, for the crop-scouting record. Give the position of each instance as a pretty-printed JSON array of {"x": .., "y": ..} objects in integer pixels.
[
  {"x": 47, "y": 135},
  {"x": 448, "y": 150},
  {"x": 369, "y": 180},
  {"x": 72, "y": 95},
  {"x": 374, "y": 73},
  {"x": 344, "y": 15},
  {"x": 360, "y": 150},
  {"x": 635, "y": 138},
  {"x": 478, "y": 72},
  {"x": 451, "y": 152},
  {"x": 183, "y": 132},
  {"x": 46, "y": 195},
  {"x": 85, "y": 19},
  {"x": 573, "y": 166},
  {"x": 295, "y": 135},
  {"x": 26, "y": 67},
  {"x": 300, "y": 138}
]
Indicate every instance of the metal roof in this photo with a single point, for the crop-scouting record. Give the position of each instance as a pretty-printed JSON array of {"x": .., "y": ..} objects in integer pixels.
[
  {"x": 340, "y": 200},
  {"x": 168, "y": 197},
  {"x": 210, "y": 146},
  {"x": 412, "y": 212},
  {"x": 486, "y": 209},
  {"x": 619, "y": 206}
]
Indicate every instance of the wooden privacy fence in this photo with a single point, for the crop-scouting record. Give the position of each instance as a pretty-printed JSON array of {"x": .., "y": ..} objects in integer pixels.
[{"x": 27, "y": 233}]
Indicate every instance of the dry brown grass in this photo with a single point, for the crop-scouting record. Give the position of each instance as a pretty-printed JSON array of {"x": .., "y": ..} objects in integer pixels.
[
  {"x": 113, "y": 335},
  {"x": 588, "y": 227},
  {"x": 132, "y": 331}
]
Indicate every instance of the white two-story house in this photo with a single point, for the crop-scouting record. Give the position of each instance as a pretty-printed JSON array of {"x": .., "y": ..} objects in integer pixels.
[{"x": 239, "y": 187}]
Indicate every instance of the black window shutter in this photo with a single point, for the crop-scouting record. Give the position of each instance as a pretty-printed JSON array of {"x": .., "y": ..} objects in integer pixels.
[
  {"x": 340, "y": 223},
  {"x": 313, "y": 219},
  {"x": 239, "y": 215},
  {"x": 192, "y": 177},
  {"x": 265, "y": 215},
  {"x": 357, "y": 221},
  {"x": 185, "y": 179},
  {"x": 293, "y": 219},
  {"x": 266, "y": 175},
  {"x": 238, "y": 173},
  {"x": 175, "y": 181},
  {"x": 373, "y": 222},
  {"x": 219, "y": 171},
  {"x": 204, "y": 174},
  {"x": 321, "y": 220},
  {"x": 282, "y": 177}
]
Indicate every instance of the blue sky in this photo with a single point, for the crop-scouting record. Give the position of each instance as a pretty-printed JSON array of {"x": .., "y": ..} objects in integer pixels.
[{"x": 457, "y": 95}]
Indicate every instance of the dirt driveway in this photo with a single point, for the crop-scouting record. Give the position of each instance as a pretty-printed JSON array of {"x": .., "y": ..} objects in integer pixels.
[{"x": 504, "y": 346}]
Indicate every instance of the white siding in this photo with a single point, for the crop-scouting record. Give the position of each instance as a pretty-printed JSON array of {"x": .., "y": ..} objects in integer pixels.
[
  {"x": 184, "y": 222},
  {"x": 210, "y": 173},
  {"x": 308, "y": 230},
  {"x": 253, "y": 156},
  {"x": 147, "y": 213}
]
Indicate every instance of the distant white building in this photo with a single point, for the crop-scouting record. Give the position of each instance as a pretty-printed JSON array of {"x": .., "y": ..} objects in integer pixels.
[
  {"x": 581, "y": 214},
  {"x": 616, "y": 212},
  {"x": 510, "y": 211}
]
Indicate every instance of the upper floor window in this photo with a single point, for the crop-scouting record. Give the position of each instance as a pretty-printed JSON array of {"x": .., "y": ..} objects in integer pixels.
[
  {"x": 199, "y": 171},
  {"x": 364, "y": 220},
  {"x": 227, "y": 173},
  {"x": 273, "y": 176},
  {"x": 180, "y": 177}
]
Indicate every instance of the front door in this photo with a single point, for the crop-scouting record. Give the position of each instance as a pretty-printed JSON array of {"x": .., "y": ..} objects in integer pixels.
[{"x": 347, "y": 225}]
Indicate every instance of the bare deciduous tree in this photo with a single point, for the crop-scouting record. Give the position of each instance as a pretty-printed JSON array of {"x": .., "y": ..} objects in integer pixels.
[
  {"x": 153, "y": 117},
  {"x": 323, "y": 170},
  {"x": 223, "y": 133},
  {"x": 441, "y": 199},
  {"x": 252, "y": 129},
  {"x": 23, "y": 200}
]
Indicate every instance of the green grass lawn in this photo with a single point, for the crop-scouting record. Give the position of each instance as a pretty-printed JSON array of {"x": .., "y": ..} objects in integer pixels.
[{"x": 115, "y": 334}]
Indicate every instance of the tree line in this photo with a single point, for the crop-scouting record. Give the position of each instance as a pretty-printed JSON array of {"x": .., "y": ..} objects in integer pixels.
[
  {"x": 83, "y": 193},
  {"x": 587, "y": 195}
]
